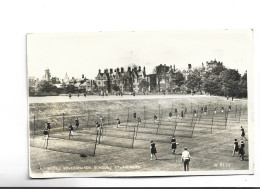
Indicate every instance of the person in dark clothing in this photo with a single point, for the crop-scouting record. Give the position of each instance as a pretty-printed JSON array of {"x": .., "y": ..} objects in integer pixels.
[
  {"x": 155, "y": 118},
  {"x": 71, "y": 131},
  {"x": 182, "y": 114},
  {"x": 195, "y": 113},
  {"x": 118, "y": 122},
  {"x": 176, "y": 112},
  {"x": 97, "y": 126},
  {"x": 134, "y": 115},
  {"x": 243, "y": 134},
  {"x": 48, "y": 126},
  {"x": 242, "y": 150},
  {"x": 153, "y": 150},
  {"x": 170, "y": 116},
  {"x": 236, "y": 147},
  {"x": 139, "y": 120},
  {"x": 77, "y": 122},
  {"x": 174, "y": 145}
]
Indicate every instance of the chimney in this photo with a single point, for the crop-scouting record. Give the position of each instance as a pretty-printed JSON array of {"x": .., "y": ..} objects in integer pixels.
[
  {"x": 83, "y": 76},
  {"x": 144, "y": 71},
  {"x": 111, "y": 70},
  {"x": 122, "y": 70},
  {"x": 189, "y": 66},
  {"x": 99, "y": 71}
]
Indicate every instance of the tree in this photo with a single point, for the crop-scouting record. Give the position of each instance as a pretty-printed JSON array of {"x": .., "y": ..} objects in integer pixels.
[
  {"x": 179, "y": 79},
  {"x": 194, "y": 80},
  {"x": 46, "y": 87},
  {"x": 160, "y": 72},
  {"x": 212, "y": 85},
  {"x": 230, "y": 82},
  {"x": 143, "y": 85},
  {"x": 243, "y": 86},
  {"x": 115, "y": 88},
  {"x": 70, "y": 89}
]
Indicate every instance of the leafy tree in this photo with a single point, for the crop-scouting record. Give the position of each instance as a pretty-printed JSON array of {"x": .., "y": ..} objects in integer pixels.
[
  {"x": 230, "y": 82},
  {"x": 46, "y": 87},
  {"x": 179, "y": 79},
  {"x": 243, "y": 86},
  {"x": 115, "y": 88},
  {"x": 194, "y": 80},
  {"x": 143, "y": 85},
  {"x": 218, "y": 68},
  {"x": 160, "y": 72},
  {"x": 212, "y": 85},
  {"x": 70, "y": 89}
]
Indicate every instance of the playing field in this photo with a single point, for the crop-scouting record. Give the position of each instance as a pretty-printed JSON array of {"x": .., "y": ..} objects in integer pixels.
[{"x": 209, "y": 136}]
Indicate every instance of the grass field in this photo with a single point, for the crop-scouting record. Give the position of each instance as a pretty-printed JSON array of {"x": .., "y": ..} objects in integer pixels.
[{"x": 209, "y": 137}]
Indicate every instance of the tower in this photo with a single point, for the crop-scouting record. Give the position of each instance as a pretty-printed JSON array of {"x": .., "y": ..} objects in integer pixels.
[{"x": 47, "y": 76}]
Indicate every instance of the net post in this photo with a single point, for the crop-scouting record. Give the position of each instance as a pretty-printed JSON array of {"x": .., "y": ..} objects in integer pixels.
[
  {"x": 239, "y": 114},
  {"x": 33, "y": 126},
  {"x": 144, "y": 112},
  {"x": 211, "y": 125},
  {"x": 63, "y": 122},
  {"x": 133, "y": 138},
  {"x": 95, "y": 144}
]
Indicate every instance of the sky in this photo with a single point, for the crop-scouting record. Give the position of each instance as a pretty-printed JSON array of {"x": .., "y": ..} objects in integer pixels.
[{"x": 86, "y": 53}]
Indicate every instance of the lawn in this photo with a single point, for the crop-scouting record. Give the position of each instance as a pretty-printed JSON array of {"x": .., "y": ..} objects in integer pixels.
[{"x": 127, "y": 149}]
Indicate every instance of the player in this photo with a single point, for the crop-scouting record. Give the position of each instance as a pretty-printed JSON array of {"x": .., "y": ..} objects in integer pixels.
[
  {"x": 229, "y": 108},
  {"x": 176, "y": 112},
  {"x": 215, "y": 110},
  {"x": 70, "y": 95},
  {"x": 97, "y": 126},
  {"x": 201, "y": 110},
  {"x": 236, "y": 148},
  {"x": 101, "y": 120},
  {"x": 243, "y": 133},
  {"x": 170, "y": 116},
  {"x": 77, "y": 123},
  {"x": 174, "y": 145},
  {"x": 45, "y": 137},
  {"x": 153, "y": 150},
  {"x": 139, "y": 120},
  {"x": 222, "y": 109},
  {"x": 195, "y": 113},
  {"x": 71, "y": 131},
  {"x": 134, "y": 114},
  {"x": 185, "y": 158},
  {"x": 242, "y": 150},
  {"x": 155, "y": 118},
  {"x": 118, "y": 122},
  {"x": 185, "y": 111},
  {"x": 181, "y": 114},
  {"x": 205, "y": 110},
  {"x": 48, "y": 126}
]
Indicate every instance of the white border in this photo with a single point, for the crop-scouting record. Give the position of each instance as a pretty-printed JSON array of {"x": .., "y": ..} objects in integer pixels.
[{"x": 30, "y": 16}]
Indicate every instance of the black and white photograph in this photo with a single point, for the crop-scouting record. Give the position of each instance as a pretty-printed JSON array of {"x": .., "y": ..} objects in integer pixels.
[{"x": 140, "y": 103}]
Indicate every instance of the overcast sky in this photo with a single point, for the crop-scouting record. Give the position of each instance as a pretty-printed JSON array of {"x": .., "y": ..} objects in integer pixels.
[{"x": 85, "y": 53}]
